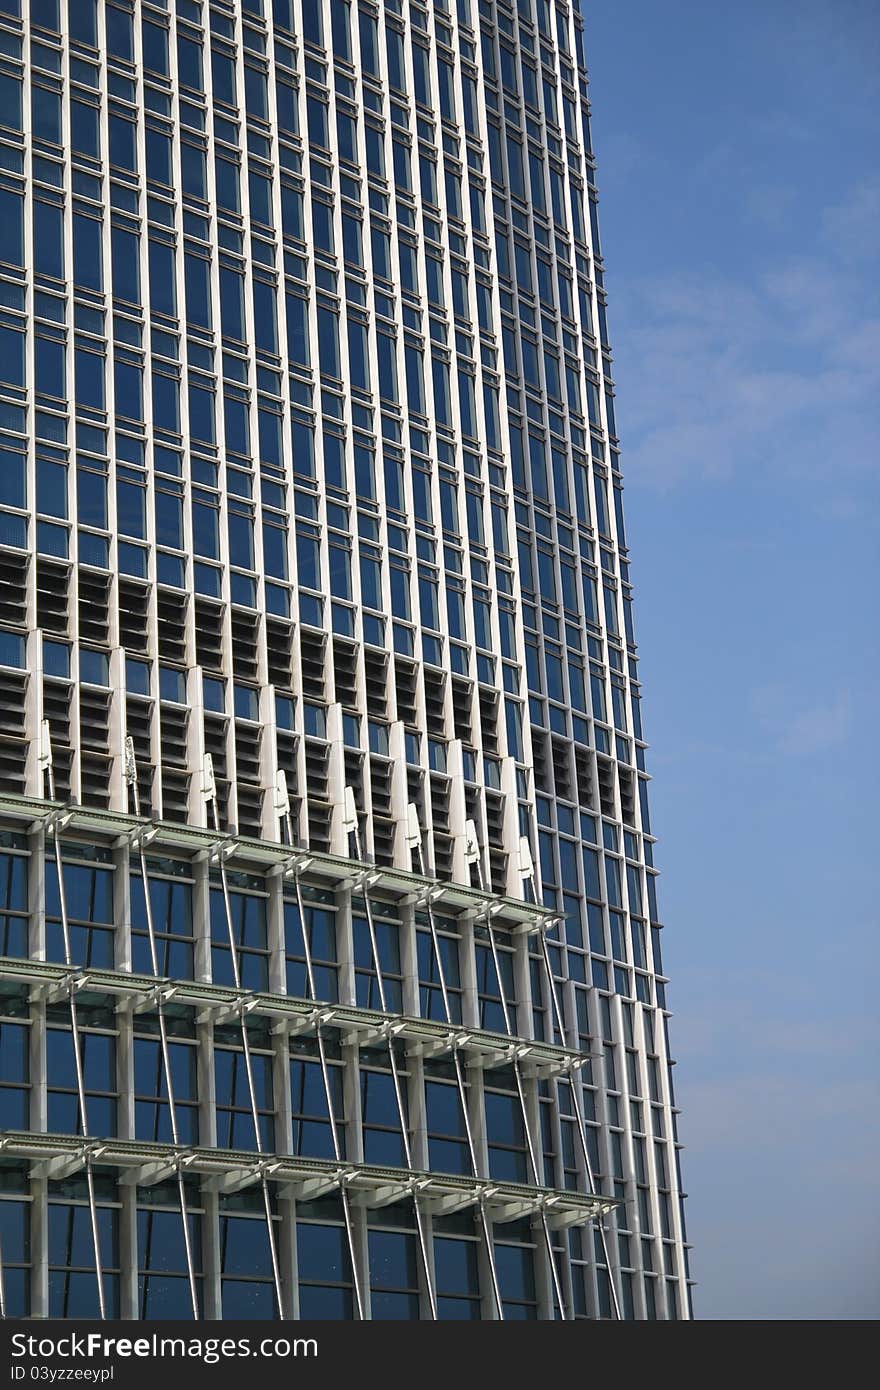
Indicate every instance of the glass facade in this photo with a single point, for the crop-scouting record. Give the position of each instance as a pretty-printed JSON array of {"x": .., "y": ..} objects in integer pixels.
[{"x": 330, "y": 973}]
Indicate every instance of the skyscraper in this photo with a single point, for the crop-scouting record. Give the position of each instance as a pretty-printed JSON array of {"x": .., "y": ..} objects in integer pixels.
[{"x": 331, "y": 980}]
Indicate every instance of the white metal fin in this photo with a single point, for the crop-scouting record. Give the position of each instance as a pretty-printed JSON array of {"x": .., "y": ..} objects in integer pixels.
[
  {"x": 471, "y": 843},
  {"x": 526, "y": 863},
  {"x": 130, "y": 761},
  {"x": 281, "y": 794},
  {"x": 349, "y": 811},
  {"x": 413, "y": 829},
  {"x": 45, "y": 746},
  {"x": 209, "y": 786}
]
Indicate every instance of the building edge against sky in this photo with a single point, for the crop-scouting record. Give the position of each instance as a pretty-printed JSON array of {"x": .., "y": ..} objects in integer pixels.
[{"x": 315, "y": 620}]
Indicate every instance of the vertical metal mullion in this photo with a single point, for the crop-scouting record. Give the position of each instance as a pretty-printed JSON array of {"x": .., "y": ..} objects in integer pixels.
[
  {"x": 211, "y": 797},
  {"x": 398, "y": 1094},
  {"x": 574, "y": 1082},
  {"x": 325, "y": 1076},
  {"x": 462, "y": 1095},
  {"x": 147, "y": 1254},
  {"x": 47, "y": 766},
  {"x": 131, "y": 778},
  {"x": 517, "y": 1073}
]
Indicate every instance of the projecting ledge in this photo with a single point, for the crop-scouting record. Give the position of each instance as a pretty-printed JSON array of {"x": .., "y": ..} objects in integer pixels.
[
  {"x": 137, "y": 994},
  {"x": 57, "y": 1156},
  {"x": 510, "y": 914}
]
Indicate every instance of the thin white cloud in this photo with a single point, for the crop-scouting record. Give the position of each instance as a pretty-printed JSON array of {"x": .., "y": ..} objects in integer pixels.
[
  {"x": 777, "y": 376},
  {"x": 822, "y": 726},
  {"x": 853, "y": 225},
  {"x": 797, "y": 728}
]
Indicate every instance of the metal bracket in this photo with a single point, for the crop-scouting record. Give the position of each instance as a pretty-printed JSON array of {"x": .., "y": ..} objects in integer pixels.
[
  {"x": 295, "y": 864},
  {"x": 148, "y": 1174},
  {"x": 153, "y": 999},
  {"x": 65, "y": 1165},
  {"x": 365, "y": 880},
  {"x": 426, "y": 897},
  {"x": 240, "y": 1178},
  {"x": 57, "y": 821},
  {"x": 67, "y": 986},
  {"x": 141, "y": 837},
  {"x": 222, "y": 850},
  {"x": 219, "y": 1014},
  {"x": 454, "y": 1041}
]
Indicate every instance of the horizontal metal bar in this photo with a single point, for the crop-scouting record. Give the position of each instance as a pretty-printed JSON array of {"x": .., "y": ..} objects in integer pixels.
[
  {"x": 151, "y": 1173},
  {"x": 58, "y": 1155},
  {"x": 142, "y": 993},
  {"x": 64, "y": 1165},
  {"x": 514, "y": 913}
]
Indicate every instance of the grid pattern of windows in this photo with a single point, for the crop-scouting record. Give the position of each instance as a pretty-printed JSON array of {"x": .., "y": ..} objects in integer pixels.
[
  {"x": 15, "y": 1222},
  {"x": 323, "y": 1261},
  {"x": 162, "y": 1266},
  {"x": 309, "y": 465},
  {"x": 327, "y": 1094}
]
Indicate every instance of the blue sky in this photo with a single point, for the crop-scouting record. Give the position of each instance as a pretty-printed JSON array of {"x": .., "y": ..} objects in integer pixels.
[{"x": 740, "y": 206}]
